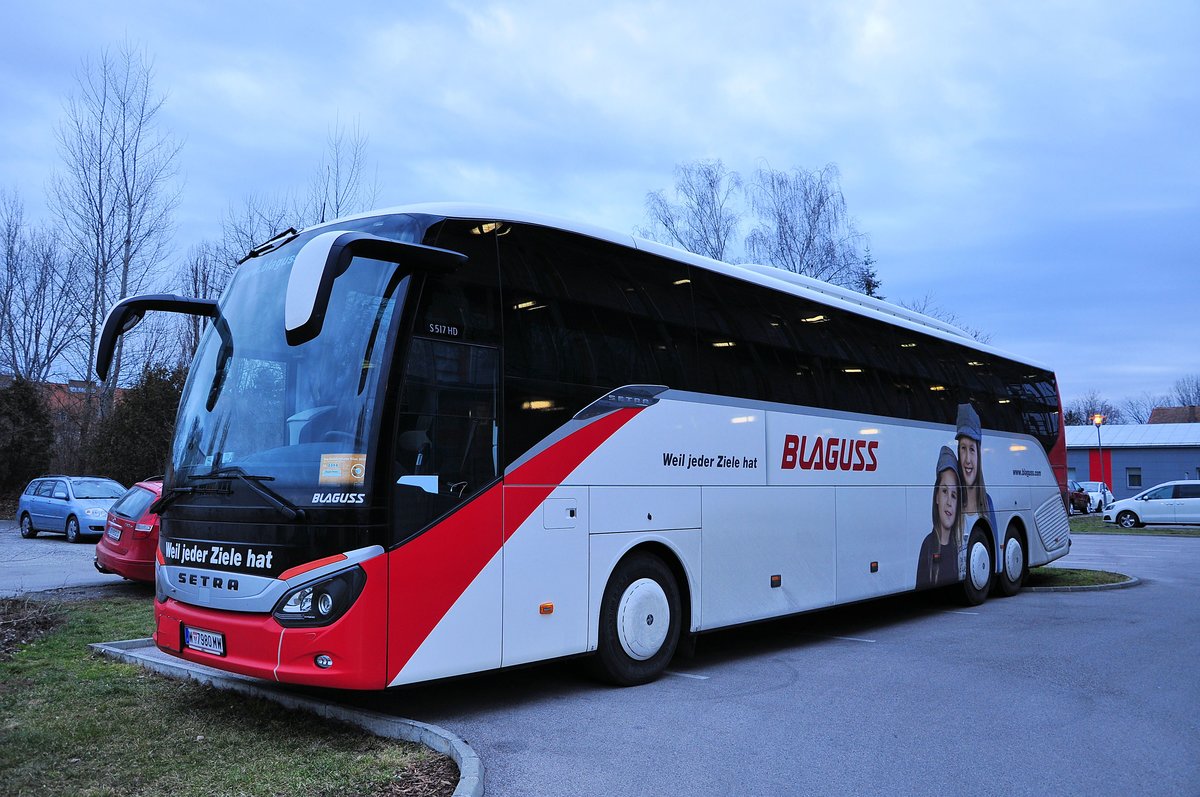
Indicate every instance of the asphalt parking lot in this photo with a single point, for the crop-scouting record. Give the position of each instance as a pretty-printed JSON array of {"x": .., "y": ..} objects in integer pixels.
[
  {"x": 1088, "y": 693},
  {"x": 46, "y": 562},
  {"x": 1048, "y": 692}
]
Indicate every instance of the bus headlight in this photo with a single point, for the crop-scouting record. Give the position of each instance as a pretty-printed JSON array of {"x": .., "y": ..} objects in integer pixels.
[{"x": 320, "y": 602}]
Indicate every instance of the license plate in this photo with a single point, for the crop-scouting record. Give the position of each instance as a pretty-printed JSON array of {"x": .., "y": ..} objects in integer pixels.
[
  {"x": 205, "y": 641},
  {"x": 113, "y": 531}
]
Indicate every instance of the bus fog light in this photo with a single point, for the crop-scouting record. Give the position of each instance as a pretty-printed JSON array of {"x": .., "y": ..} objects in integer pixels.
[
  {"x": 323, "y": 661},
  {"x": 325, "y": 603}
]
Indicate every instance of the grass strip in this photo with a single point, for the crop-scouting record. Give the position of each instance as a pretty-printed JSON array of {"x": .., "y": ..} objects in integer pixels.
[
  {"x": 1071, "y": 577},
  {"x": 1093, "y": 524},
  {"x": 75, "y": 723}
]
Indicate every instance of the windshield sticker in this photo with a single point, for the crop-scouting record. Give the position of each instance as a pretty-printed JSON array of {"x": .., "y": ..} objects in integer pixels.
[{"x": 343, "y": 469}]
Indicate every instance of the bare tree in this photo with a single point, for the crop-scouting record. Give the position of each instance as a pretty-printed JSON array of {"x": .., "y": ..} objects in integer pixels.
[
  {"x": 45, "y": 304},
  {"x": 1081, "y": 411},
  {"x": 12, "y": 255},
  {"x": 203, "y": 276},
  {"x": 1187, "y": 391},
  {"x": 338, "y": 187},
  {"x": 929, "y": 307},
  {"x": 705, "y": 217},
  {"x": 803, "y": 226},
  {"x": 259, "y": 218},
  {"x": 1138, "y": 408},
  {"x": 115, "y": 197}
]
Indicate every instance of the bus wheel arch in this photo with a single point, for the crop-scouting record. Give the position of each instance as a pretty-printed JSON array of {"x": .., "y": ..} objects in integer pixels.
[
  {"x": 1014, "y": 557},
  {"x": 646, "y": 584},
  {"x": 980, "y": 568}
]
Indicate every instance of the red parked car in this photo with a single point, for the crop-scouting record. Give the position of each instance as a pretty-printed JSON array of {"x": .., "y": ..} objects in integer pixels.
[{"x": 130, "y": 540}]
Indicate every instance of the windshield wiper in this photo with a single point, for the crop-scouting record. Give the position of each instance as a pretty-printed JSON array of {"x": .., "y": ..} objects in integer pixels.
[
  {"x": 170, "y": 496},
  {"x": 289, "y": 510},
  {"x": 270, "y": 244}
]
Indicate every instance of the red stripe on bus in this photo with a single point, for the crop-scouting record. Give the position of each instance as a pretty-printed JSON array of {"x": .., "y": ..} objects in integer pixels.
[
  {"x": 313, "y": 565},
  {"x": 430, "y": 573}
]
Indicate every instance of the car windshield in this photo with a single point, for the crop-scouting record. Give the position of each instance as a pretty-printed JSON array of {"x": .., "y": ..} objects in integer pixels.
[
  {"x": 1091, "y": 487},
  {"x": 96, "y": 488},
  {"x": 298, "y": 415}
]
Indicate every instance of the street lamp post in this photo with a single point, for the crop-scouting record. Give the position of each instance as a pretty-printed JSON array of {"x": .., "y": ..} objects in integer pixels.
[{"x": 1098, "y": 419}]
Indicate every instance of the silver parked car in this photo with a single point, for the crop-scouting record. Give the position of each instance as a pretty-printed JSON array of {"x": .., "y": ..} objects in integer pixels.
[{"x": 71, "y": 505}]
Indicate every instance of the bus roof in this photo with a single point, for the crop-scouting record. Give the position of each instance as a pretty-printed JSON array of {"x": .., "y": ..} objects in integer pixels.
[{"x": 768, "y": 276}]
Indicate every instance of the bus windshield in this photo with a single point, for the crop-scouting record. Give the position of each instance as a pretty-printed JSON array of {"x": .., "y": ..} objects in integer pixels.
[{"x": 301, "y": 415}]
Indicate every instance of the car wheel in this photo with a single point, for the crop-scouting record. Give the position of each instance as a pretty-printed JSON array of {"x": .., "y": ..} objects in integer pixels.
[
  {"x": 1128, "y": 520},
  {"x": 979, "y": 568},
  {"x": 1015, "y": 563},
  {"x": 73, "y": 530},
  {"x": 639, "y": 622},
  {"x": 27, "y": 529}
]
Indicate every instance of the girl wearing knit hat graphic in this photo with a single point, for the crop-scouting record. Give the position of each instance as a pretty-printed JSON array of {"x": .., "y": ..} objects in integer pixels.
[
  {"x": 976, "y": 501},
  {"x": 938, "y": 562}
]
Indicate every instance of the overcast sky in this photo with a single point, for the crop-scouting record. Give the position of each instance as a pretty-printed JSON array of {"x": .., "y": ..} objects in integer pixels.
[{"x": 1034, "y": 166}]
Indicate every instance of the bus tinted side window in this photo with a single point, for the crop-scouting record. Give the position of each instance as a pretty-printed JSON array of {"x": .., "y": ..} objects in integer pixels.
[{"x": 582, "y": 317}]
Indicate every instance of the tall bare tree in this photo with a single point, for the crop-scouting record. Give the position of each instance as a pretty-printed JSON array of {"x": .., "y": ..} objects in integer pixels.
[
  {"x": 45, "y": 306},
  {"x": 12, "y": 255},
  {"x": 802, "y": 225},
  {"x": 339, "y": 186},
  {"x": 115, "y": 196},
  {"x": 39, "y": 303},
  {"x": 705, "y": 217}
]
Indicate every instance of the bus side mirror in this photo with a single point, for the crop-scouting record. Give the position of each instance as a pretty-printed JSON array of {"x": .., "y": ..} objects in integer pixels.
[
  {"x": 127, "y": 314},
  {"x": 327, "y": 256}
]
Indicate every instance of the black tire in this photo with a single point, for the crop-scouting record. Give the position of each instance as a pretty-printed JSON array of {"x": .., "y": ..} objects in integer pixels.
[
  {"x": 27, "y": 529},
  {"x": 630, "y": 650},
  {"x": 978, "y": 581},
  {"x": 1128, "y": 520},
  {"x": 1016, "y": 561},
  {"x": 72, "y": 530}
]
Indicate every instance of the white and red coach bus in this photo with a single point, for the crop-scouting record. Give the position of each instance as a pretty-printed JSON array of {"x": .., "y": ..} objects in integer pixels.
[{"x": 437, "y": 440}]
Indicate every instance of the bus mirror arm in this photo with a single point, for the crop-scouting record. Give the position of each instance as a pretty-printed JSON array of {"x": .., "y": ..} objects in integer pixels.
[
  {"x": 327, "y": 256},
  {"x": 127, "y": 314}
]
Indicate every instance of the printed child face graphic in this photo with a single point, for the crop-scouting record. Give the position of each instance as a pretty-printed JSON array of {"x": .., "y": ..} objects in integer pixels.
[
  {"x": 968, "y": 460},
  {"x": 947, "y": 499}
]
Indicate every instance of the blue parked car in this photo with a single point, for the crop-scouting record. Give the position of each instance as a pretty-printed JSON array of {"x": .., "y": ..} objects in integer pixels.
[{"x": 71, "y": 505}]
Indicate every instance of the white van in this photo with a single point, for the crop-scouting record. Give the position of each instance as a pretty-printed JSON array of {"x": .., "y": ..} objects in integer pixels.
[{"x": 1170, "y": 502}]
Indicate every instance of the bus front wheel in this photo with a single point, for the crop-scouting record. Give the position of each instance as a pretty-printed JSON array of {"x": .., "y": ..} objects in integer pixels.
[
  {"x": 639, "y": 622},
  {"x": 979, "y": 568}
]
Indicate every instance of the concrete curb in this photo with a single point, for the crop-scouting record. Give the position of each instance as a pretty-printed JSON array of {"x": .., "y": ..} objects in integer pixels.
[
  {"x": 1131, "y": 581},
  {"x": 470, "y": 765}
]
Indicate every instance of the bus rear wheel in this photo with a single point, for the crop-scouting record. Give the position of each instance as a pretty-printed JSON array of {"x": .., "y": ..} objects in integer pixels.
[
  {"x": 1013, "y": 577},
  {"x": 979, "y": 568},
  {"x": 639, "y": 622}
]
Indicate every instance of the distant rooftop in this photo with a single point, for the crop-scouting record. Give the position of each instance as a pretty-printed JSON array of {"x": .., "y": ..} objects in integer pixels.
[
  {"x": 1136, "y": 435},
  {"x": 1175, "y": 415}
]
